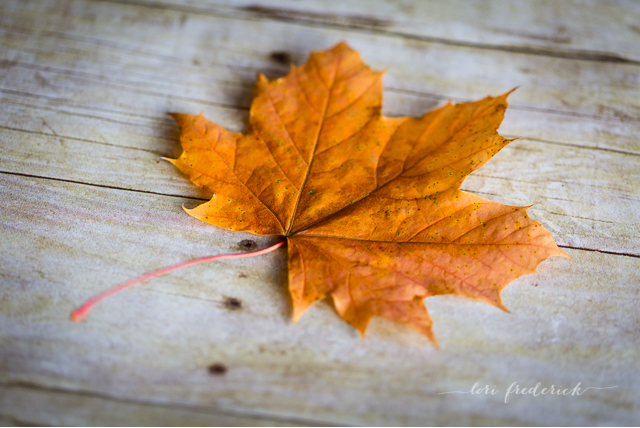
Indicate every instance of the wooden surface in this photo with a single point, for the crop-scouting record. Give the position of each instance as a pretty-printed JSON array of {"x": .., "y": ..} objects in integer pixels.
[{"x": 85, "y": 87}]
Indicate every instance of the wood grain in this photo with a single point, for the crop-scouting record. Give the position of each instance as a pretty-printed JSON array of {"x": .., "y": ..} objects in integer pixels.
[
  {"x": 25, "y": 404},
  {"x": 85, "y": 89},
  {"x": 574, "y": 29}
]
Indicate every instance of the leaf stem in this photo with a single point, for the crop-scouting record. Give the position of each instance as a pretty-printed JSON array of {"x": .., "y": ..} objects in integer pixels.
[{"x": 81, "y": 312}]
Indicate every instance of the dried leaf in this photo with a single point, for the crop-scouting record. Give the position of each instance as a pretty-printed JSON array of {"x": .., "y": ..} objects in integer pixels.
[{"x": 371, "y": 206}]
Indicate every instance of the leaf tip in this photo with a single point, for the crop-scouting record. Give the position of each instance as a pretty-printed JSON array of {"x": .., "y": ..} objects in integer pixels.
[
  {"x": 177, "y": 117},
  {"x": 182, "y": 118},
  {"x": 342, "y": 45},
  {"x": 434, "y": 341},
  {"x": 503, "y": 97},
  {"x": 511, "y": 91},
  {"x": 262, "y": 79},
  {"x": 360, "y": 325},
  {"x": 561, "y": 253},
  {"x": 497, "y": 302},
  {"x": 503, "y": 307},
  {"x": 295, "y": 317}
]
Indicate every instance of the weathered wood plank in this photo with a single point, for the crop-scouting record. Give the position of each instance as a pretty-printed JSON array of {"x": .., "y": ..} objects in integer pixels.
[
  {"x": 40, "y": 62},
  {"x": 210, "y": 41},
  {"x": 24, "y": 404},
  {"x": 576, "y": 322},
  {"x": 565, "y": 182},
  {"x": 72, "y": 96},
  {"x": 549, "y": 175},
  {"x": 110, "y": 94},
  {"x": 84, "y": 91},
  {"x": 581, "y": 29}
]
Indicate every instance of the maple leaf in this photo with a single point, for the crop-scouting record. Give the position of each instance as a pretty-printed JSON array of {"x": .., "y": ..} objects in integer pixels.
[{"x": 370, "y": 206}]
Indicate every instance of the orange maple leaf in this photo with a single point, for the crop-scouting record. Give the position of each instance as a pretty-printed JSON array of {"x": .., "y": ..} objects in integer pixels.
[{"x": 371, "y": 206}]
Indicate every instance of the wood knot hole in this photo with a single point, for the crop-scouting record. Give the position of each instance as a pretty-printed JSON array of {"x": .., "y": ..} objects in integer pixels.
[
  {"x": 232, "y": 303},
  {"x": 281, "y": 57},
  {"x": 247, "y": 245},
  {"x": 217, "y": 369}
]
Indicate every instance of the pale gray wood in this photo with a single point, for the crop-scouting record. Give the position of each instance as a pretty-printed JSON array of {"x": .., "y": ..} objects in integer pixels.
[
  {"x": 550, "y": 176},
  {"x": 555, "y": 132},
  {"x": 31, "y": 405},
  {"x": 87, "y": 203},
  {"x": 113, "y": 52},
  {"x": 603, "y": 30},
  {"x": 576, "y": 322}
]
